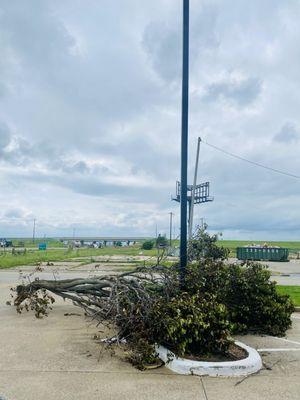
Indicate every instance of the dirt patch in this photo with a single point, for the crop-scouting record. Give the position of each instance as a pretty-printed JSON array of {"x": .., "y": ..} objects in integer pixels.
[{"x": 234, "y": 353}]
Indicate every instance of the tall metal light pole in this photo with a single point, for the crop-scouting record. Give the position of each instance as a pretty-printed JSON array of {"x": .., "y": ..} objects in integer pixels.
[{"x": 184, "y": 141}]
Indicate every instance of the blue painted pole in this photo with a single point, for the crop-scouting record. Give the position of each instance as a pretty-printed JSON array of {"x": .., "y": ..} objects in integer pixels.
[{"x": 184, "y": 142}]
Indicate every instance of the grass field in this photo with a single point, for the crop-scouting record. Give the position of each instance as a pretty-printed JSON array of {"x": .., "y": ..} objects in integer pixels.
[
  {"x": 61, "y": 253},
  {"x": 292, "y": 291},
  {"x": 8, "y": 260},
  {"x": 28, "y": 242}
]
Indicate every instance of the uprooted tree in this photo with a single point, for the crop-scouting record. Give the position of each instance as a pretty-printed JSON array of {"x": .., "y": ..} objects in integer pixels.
[{"x": 148, "y": 305}]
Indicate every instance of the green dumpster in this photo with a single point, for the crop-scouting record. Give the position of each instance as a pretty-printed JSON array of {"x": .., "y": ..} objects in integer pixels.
[{"x": 257, "y": 253}]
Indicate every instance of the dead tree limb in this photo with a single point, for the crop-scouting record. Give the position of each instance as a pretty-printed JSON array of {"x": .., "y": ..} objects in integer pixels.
[{"x": 111, "y": 299}]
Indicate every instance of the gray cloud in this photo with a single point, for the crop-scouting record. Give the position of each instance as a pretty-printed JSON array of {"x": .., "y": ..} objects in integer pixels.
[
  {"x": 5, "y": 137},
  {"x": 15, "y": 213},
  {"x": 241, "y": 93},
  {"x": 287, "y": 134},
  {"x": 162, "y": 41},
  {"x": 2, "y": 89},
  {"x": 39, "y": 39}
]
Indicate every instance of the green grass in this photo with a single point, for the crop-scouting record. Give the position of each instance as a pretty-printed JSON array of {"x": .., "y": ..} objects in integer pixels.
[
  {"x": 60, "y": 253},
  {"x": 28, "y": 242},
  {"x": 292, "y": 291},
  {"x": 8, "y": 260}
]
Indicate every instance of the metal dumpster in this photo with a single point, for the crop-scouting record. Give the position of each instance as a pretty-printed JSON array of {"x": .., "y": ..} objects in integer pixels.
[{"x": 262, "y": 253}]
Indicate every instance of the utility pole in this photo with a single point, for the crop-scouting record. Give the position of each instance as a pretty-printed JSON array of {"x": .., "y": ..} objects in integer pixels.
[
  {"x": 184, "y": 141},
  {"x": 171, "y": 221},
  {"x": 202, "y": 222},
  {"x": 191, "y": 216},
  {"x": 33, "y": 231}
]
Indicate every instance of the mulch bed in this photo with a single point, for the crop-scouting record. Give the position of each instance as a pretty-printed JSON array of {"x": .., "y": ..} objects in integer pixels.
[{"x": 234, "y": 353}]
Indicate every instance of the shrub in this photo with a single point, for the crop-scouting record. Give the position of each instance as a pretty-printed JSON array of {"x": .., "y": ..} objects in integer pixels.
[
  {"x": 251, "y": 298},
  {"x": 186, "y": 324},
  {"x": 194, "y": 325},
  {"x": 148, "y": 245},
  {"x": 203, "y": 245},
  {"x": 255, "y": 303}
]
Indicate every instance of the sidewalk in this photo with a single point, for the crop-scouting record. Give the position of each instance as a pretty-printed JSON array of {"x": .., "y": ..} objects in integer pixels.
[{"x": 57, "y": 358}]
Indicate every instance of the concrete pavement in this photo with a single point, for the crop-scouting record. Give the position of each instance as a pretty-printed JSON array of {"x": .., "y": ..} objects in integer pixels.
[
  {"x": 57, "y": 358},
  {"x": 284, "y": 273}
]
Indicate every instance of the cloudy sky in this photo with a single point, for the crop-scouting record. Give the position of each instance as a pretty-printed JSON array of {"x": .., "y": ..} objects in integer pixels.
[{"x": 90, "y": 115}]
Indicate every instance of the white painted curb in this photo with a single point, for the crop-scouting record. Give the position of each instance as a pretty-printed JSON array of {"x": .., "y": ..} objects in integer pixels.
[{"x": 247, "y": 366}]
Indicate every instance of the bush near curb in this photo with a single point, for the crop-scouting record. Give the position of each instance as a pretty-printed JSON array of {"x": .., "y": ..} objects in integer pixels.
[
  {"x": 252, "y": 300},
  {"x": 193, "y": 325}
]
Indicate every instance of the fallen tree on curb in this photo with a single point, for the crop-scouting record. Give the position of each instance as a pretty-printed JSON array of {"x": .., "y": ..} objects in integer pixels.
[{"x": 147, "y": 306}]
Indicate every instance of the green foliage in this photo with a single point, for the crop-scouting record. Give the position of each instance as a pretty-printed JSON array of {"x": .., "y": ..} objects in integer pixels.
[
  {"x": 148, "y": 245},
  {"x": 204, "y": 245},
  {"x": 185, "y": 324},
  {"x": 161, "y": 241},
  {"x": 252, "y": 300},
  {"x": 161, "y": 313},
  {"x": 255, "y": 303},
  {"x": 39, "y": 302},
  {"x": 193, "y": 325}
]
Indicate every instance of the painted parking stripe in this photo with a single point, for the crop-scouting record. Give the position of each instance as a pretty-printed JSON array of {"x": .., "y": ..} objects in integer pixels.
[
  {"x": 283, "y": 339},
  {"x": 274, "y": 350}
]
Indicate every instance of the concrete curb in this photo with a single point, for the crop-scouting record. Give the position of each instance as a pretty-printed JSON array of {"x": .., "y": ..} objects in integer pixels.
[
  {"x": 297, "y": 309},
  {"x": 252, "y": 363}
]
